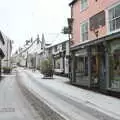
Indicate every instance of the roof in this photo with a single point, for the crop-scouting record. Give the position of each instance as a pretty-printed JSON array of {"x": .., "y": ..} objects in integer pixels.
[
  {"x": 73, "y": 1},
  {"x": 60, "y": 38}
]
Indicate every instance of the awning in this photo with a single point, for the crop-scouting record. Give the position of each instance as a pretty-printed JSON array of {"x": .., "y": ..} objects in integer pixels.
[{"x": 96, "y": 41}]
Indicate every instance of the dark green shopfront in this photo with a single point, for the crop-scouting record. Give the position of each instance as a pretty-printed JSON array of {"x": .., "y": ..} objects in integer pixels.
[{"x": 96, "y": 64}]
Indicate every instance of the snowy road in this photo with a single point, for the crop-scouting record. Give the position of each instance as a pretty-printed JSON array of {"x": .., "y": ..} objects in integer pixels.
[
  {"x": 63, "y": 104},
  {"x": 13, "y": 105}
]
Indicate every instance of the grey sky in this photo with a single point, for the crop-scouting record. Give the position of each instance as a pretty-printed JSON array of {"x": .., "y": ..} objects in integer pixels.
[{"x": 21, "y": 19}]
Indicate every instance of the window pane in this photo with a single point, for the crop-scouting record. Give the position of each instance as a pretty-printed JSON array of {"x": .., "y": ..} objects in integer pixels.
[
  {"x": 79, "y": 64},
  {"x": 118, "y": 23},
  {"x": 83, "y": 4},
  {"x": 84, "y": 31},
  {"x": 116, "y": 69},
  {"x": 82, "y": 28},
  {"x": 86, "y": 27},
  {"x": 112, "y": 25},
  {"x": 111, "y": 14},
  {"x": 117, "y": 11},
  {"x": 85, "y": 36}
]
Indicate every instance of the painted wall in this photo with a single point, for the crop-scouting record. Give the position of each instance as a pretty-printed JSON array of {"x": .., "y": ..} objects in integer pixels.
[
  {"x": 81, "y": 16},
  {"x": 7, "y": 49}
]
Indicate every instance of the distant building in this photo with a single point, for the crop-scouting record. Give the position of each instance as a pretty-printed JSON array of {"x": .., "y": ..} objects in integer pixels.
[
  {"x": 7, "y": 49},
  {"x": 39, "y": 50},
  {"x": 2, "y": 43},
  {"x": 28, "y": 56},
  {"x": 59, "y": 52}
]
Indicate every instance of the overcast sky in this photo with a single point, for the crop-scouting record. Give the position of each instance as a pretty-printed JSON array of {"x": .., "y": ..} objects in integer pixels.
[{"x": 22, "y": 19}]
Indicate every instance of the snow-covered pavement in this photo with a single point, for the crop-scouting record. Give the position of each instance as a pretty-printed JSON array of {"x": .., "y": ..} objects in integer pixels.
[
  {"x": 71, "y": 102},
  {"x": 13, "y": 105}
]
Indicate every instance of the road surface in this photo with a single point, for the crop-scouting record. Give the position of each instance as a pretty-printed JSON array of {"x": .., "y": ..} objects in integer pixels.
[
  {"x": 13, "y": 104},
  {"x": 58, "y": 101}
]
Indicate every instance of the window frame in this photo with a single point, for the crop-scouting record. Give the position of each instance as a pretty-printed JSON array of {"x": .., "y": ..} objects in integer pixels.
[
  {"x": 81, "y": 4},
  {"x": 108, "y": 20},
  {"x": 81, "y": 36}
]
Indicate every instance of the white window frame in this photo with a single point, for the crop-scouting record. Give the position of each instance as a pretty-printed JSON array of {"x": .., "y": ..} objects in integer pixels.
[
  {"x": 81, "y": 8},
  {"x": 81, "y": 37},
  {"x": 107, "y": 19}
]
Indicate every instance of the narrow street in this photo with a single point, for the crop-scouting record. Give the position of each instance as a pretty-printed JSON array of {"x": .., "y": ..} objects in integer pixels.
[
  {"x": 13, "y": 105},
  {"x": 60, "y": 60},
  {"x": 53, "y": 93}
]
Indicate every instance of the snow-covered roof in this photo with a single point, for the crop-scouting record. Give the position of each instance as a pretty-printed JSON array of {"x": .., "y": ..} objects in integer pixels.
[{"x": 57, "y": 39}]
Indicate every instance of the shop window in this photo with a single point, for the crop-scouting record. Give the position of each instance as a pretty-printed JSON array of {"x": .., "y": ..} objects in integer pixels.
[
  {"x": 57, "y": 63},
  {"x": 82, "y": 65},
  {"x": 114, "y": 18},
  {"x": 116, "y": 69}
]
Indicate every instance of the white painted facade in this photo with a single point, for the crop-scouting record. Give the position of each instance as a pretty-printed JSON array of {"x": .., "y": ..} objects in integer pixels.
[{"x": 7, "y": 49}]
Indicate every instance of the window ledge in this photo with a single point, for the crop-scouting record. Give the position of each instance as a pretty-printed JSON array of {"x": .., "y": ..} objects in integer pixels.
[{"x": 113, "y": 32}]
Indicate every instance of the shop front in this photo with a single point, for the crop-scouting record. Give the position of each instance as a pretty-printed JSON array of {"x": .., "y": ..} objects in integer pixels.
[
  {"x": 80, "y": 67},
  {"x": 114, "y": 62},
  {"x": 98, "y": 65},
  {"x": 89, "y": 66}
]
